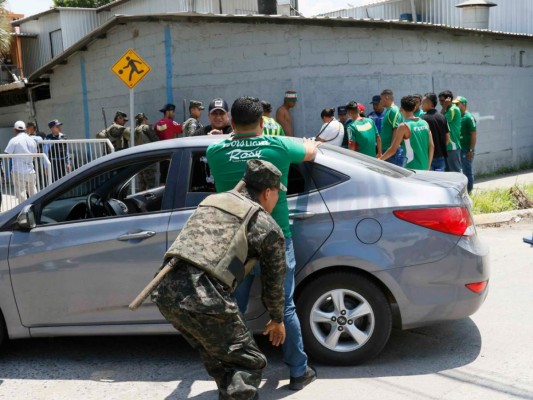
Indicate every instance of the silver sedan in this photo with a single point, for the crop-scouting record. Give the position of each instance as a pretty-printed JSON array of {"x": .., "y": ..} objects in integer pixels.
[{"x": 376, "y": 246}]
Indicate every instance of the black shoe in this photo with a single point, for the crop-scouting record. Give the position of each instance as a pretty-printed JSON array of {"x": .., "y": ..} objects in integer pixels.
[{"x": 298, "y": 383}]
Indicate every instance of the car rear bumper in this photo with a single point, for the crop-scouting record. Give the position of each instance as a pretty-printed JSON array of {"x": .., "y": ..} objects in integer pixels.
[{"x": 436, "y": 292}]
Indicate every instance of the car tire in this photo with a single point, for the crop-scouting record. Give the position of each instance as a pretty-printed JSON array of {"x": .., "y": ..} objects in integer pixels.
[{"x": 345, "y": 318}]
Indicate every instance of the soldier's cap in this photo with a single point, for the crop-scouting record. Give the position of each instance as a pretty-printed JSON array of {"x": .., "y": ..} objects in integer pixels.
[
  {"x": 19, "y": 126},
  {"x": 121, "y": 114},
  {"x": 196, "y": 104},
  {"x": 54, "y": 122},
  {"x": 352, "y": 105},
  {"x": 263, "y": 174},
  {"x": 341, "y": 110},
  {"x": 460, "y": 99},
  {"x": 140, "y": 117},
  {"x": 218, "y": 104},
  {"x": 376, "y": 99},
  {"x": 168, "y": 107}
]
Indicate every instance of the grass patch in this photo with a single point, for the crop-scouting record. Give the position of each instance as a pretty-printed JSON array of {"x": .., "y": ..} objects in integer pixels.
[{"x": 499, "y": 200}]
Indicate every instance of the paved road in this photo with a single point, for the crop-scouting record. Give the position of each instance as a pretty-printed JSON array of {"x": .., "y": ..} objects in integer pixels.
[{"x": 488, "y": 356}]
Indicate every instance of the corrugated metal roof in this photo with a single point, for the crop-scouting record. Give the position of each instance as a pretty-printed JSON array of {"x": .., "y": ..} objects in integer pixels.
[
  {"x": 275, "y": 19},
  {"x": 17, "y": 22}
]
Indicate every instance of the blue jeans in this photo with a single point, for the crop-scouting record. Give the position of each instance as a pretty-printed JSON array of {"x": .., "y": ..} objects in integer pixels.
[
  {"x": 398, "y": 158},
  {"x": 468, "y": 169},
  {"x": 438, "y": 164},
  {"x": 293, "y": 348},
  {"x": 453, "y": 161}
]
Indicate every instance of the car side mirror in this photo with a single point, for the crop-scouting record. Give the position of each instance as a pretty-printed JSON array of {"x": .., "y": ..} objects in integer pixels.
[{"x": 26, "y": 218}]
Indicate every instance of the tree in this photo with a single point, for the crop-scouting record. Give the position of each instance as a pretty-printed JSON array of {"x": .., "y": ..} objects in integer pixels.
[
  {"x": 5, "y": 29},
  {"x": 81, "y": 3}
]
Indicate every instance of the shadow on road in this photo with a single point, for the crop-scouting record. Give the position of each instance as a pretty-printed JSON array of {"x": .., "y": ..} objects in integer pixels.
[{"x": 419, "y": 351}]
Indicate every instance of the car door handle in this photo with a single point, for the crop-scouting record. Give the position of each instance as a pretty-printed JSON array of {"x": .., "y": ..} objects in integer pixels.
[
  {"x": 136, "y": 236},
  {"x": 301, "y": 215}
]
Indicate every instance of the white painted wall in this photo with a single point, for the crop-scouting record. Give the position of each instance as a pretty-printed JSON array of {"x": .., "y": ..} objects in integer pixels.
[{"x": 328, "y": 66}]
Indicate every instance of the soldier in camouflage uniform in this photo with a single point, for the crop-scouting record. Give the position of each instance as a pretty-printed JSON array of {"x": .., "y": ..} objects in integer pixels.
[
  {"x": 117, "y": 133},
  {"x": 193, "y": 123},
  {"x": 217, "y": 247},
  {"x": 145, "y": 134}
]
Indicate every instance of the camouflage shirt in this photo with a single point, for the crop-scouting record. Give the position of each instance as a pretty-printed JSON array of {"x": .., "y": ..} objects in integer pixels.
[
  {"x": 145, "y": 134},
  {"x": 119, "y": 135},
  {"x": 186, "y": 286},
  {"x": 190, "y": 126}
]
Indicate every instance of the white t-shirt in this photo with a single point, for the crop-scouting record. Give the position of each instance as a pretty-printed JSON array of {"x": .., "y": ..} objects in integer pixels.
[
  {"x": 22, "y": 144},
  {"x": 332, "y": 132}
]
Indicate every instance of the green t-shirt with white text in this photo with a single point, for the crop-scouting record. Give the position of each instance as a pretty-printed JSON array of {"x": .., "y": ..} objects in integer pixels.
[
  {"x": 227, "y": 161},
  {"x": 363, "y": 134}
]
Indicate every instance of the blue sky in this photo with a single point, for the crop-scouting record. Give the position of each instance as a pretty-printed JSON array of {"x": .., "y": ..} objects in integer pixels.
[{"x": 307, "y": 7}]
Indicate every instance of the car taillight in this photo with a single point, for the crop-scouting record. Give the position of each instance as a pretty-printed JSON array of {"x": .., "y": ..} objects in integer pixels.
[
  {"x": 477, "y": 287},
  {"x": 452, "y": 220}
]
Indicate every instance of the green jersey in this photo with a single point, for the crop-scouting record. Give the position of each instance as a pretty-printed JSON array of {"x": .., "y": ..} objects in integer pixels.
[
  {"x": 391, "y": 120},
  {"x": 453, "y": 116},
  {"x": 363, "y": 134},
  {"x": 418, "y": 113},
  {"x": 417, "y": 146},
  {"x": 271, "y": 127},
  {"x": 468, "y": 125},
  {"x": 227, "y": 161}
]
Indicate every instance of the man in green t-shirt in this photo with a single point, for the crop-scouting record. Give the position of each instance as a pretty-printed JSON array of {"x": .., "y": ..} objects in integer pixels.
[
  {"x": 468, "y": 140},
  {"x": 418, "y": 107},
  {"x": 391, "y": 120},
  {"x": 363, "y": 133},
  {"x": 453, "y": 116},
  {"x": 414, "y": 136},
  {"x": 227, "y": 161}
]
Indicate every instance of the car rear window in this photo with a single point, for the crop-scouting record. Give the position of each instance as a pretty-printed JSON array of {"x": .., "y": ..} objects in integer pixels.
[{"x": 350, "y": 156}]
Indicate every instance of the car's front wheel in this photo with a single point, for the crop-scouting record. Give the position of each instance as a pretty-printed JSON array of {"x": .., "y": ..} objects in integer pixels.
[{"x": 345, "y": 317}]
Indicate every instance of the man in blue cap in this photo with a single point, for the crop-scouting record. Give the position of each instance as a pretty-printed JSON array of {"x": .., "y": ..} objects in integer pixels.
[{"x": 379, "y": 111}]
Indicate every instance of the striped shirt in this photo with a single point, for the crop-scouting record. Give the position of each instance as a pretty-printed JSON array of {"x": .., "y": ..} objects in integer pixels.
[{"x": 271, "y": 127}]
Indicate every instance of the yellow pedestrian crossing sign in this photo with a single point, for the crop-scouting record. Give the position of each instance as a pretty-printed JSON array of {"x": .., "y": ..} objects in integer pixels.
[{"x": 131, "y": 68}]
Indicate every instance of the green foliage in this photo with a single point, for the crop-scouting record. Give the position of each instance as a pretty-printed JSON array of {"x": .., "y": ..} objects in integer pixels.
[
  {"x": 498, "y": 200},
  {"x": 81, "y": 3},
  {"x": 5, "y": 29}
]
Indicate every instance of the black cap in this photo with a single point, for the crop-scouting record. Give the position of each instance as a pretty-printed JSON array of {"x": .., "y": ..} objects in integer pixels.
[
  {"x": 376, "y": 99},
  {"x": 218, "y": 104},
  {"x": 54, "y": 122},
  {"x": 341, "y": 110},
  {"x": 168, "y": 107},
  {"x": 352, "y": 105},
  {"x": 121, "y": 114}
]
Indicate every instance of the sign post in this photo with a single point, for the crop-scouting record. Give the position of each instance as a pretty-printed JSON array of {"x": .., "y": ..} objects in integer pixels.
[{"x": 131, "y": 69}]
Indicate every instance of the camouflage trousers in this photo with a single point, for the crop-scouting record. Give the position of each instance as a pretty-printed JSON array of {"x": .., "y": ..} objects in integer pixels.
[
  {"x": 147, "y": 178},
  {"x": 227, "y": 348}
]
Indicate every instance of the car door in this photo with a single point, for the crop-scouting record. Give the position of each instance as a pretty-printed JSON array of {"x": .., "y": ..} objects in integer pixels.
[{"x": 87, "y": 271}]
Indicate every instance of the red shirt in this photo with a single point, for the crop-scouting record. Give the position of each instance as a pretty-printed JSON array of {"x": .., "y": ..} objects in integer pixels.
[{"x": 167, "y": 128}]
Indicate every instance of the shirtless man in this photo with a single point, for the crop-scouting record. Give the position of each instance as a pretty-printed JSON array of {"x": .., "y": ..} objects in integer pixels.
[{"x": 283, "y": 115}]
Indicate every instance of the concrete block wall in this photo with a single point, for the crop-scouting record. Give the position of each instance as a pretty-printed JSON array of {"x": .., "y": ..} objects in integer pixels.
[{"x": 328, "y": 66}]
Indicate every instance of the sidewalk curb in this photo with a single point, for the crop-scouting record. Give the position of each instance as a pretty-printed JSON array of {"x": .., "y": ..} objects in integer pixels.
[{"x": 498, "y": 218}]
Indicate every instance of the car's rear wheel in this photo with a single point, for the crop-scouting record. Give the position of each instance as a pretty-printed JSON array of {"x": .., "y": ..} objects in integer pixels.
[{"x": 345, "y": 317}]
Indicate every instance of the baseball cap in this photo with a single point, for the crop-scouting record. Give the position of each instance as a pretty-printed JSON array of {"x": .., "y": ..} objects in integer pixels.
[
  {"x": 352, "y": 105},
  {"x": 121, "y": 114},
  {"x": 361, "y": 107},
  {"x": 54, "y": 122},
  {"x": 376, "y": 99},
  {"x": 19, "y": 126},
  {"x": 196, "y": 104},
  {"x": 460, "y": 99},
  {"x": 263, "y": 174},
  {"x": 168, "y": 107},
  {"x": 341, "y": 110},
  {"x": 218, "y": 104}
]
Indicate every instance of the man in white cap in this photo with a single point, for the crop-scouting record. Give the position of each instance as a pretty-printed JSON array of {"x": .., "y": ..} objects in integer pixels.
[{"x": 22, "y": 171}]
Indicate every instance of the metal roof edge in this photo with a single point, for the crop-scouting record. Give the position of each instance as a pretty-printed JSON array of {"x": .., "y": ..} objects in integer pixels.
[
  {"x": 52, "y": 10},
  {"x": 322, "y": 21}
]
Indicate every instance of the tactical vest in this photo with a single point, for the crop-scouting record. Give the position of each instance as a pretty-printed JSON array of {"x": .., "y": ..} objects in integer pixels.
[{"x": 214, "y": 238}]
